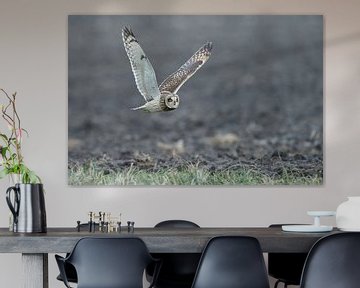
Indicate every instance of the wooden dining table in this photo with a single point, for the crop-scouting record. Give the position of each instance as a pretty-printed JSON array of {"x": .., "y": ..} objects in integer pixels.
[{"x": 35, "y": 247}]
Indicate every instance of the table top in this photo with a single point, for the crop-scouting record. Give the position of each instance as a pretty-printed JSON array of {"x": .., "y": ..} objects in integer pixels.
[{"x": 158, "y": 240}]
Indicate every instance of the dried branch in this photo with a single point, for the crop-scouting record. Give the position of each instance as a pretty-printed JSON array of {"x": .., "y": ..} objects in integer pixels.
[{"x": 12, "y": 159}]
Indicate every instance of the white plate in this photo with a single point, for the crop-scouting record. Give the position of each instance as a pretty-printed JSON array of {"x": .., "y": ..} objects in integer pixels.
[{"x": 306, "y": 228}]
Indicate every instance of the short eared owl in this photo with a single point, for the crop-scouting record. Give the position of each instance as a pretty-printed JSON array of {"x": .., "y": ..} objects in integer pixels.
[{"x": 163, "y": 97}]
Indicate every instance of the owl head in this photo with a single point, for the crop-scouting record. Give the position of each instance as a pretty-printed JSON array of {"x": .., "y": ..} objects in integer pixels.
[{"x": 171, "y": 100}]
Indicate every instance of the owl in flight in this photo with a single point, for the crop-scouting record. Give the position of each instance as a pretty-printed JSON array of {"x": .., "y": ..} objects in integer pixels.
[{"x": 163, "y": 97}]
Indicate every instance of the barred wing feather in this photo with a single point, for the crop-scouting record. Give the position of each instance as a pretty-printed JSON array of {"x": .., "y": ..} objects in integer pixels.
[
  {"x": 143, "y": 71},
  {"x": 178, "y": 78}
]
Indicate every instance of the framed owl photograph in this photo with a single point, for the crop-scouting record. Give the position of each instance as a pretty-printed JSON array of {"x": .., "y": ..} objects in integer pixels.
[{"x": 195, "y": 100}]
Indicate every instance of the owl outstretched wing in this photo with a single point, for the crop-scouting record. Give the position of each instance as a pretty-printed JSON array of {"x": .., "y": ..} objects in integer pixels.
[
  {"x": 143, "y": 71},
  {"x": 178, "y": 78}
]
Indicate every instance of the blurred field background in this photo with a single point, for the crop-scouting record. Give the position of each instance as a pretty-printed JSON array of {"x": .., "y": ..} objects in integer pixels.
[{"x": 252, "y": 115}]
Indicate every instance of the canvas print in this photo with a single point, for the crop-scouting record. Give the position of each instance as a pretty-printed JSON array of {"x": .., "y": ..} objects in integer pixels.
[{"x": 195, "y": 100}]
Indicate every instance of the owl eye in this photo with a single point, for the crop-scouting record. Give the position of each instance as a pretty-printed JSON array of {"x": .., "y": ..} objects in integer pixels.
[{"x": 170, "y": 100}]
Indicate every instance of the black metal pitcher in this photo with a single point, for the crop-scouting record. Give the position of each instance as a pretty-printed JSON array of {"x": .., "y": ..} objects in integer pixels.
[{"x": 28, "y": 208}]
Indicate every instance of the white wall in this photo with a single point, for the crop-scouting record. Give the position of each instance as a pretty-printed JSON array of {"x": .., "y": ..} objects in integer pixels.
[{"x": 33, "y": 62}]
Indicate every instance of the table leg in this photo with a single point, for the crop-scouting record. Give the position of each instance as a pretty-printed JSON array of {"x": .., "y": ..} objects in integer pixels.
[{"x": 35, "y": 270}]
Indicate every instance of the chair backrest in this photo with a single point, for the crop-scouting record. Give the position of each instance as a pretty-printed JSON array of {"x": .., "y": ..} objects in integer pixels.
[
  {"x": 333, "y": 262},
  {"x": 110, "y": 262},
  {"x": 232, "y": 262},
  {"x": 176, "y": 224},
  {"x": 178, "y": 269}
]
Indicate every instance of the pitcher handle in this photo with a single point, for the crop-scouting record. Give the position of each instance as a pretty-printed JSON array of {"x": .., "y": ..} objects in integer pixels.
[{"x": 13, "y": 208}]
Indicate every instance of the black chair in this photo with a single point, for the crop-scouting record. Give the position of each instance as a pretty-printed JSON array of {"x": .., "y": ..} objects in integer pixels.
[
  {"x": 333, "y": 262},
  {"x": 108, "y": 262},
  {"x": 69, "y": 269},
  {"x": 178, "y": 269},
  {"x": 286, "y": 267},
  {"x": 232, "y": 262}
]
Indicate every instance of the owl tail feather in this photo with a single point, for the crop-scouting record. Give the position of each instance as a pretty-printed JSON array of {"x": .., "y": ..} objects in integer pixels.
[{"x": 138, "y": 108}]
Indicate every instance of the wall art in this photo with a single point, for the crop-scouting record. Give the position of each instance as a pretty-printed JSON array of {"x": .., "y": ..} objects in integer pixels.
[{"x": 195, "y": 100}]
